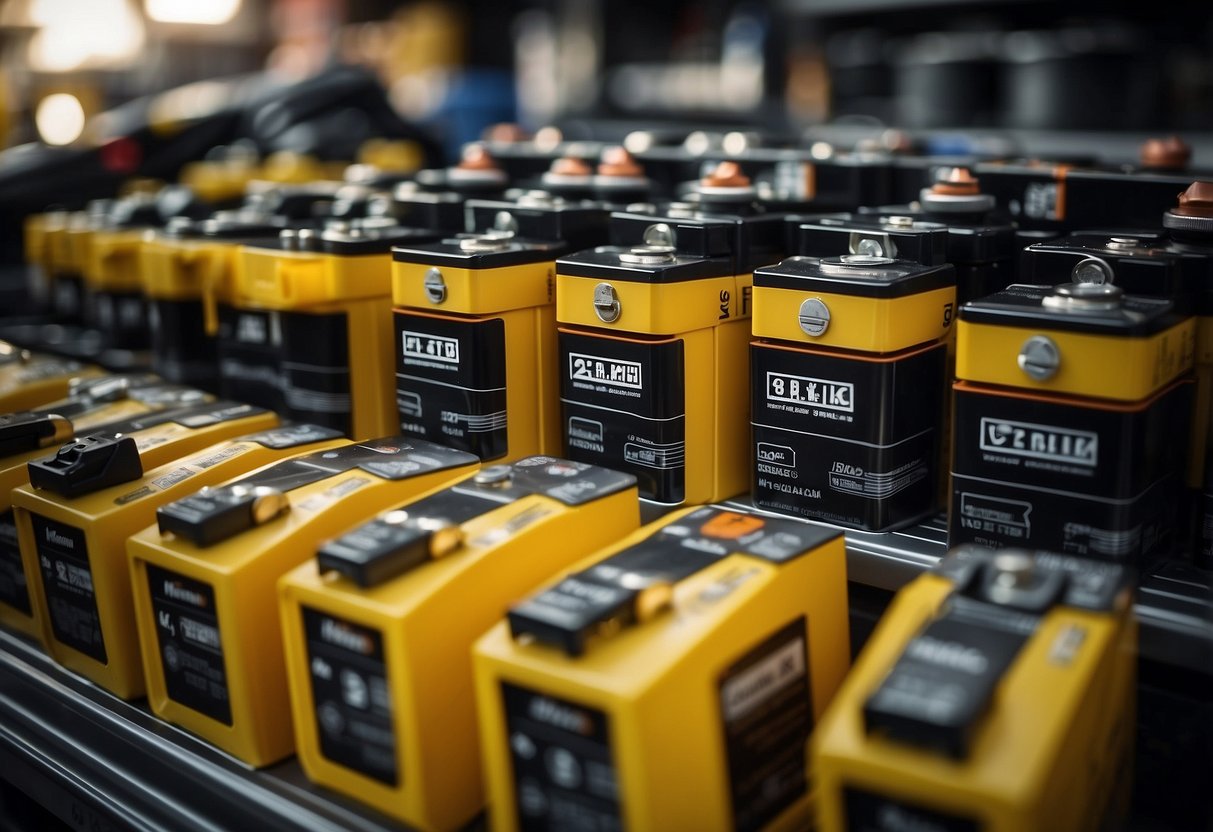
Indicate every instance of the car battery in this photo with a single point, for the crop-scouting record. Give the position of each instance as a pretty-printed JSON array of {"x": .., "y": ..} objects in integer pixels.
[
  {"x": 37, "y": 234},
  {"x": 849, "y": 370},
  {"x": 67, "y": 244},
  {"x": 670, "y": 683},
  {"x": 386, "y": 607},
  {"x": 186, "y": 272},
  {"x": 997, "y": 693},
  {"x": 475, "y": 326},
  {"x": 29, "y": 380},
  {"x": 1063, "y": 197},
  {"x": 26, "y": 436},
  {"x": 899, "y": 237},
  {"x": 114, "y": 302},
  {"x": 315, "y": 305},
  {"x": 82, "y": 503},
  {"x": 981, "y": 241},
  {"x": 1147, "y": 264},
  {"x": 1071, "y": 421},
  {"x": 653, "y": 339},
  {"x": 204, "y": 580}
]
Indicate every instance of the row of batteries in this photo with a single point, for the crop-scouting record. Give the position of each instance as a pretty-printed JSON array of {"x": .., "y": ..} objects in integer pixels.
[{"x": 291, "y": 590}]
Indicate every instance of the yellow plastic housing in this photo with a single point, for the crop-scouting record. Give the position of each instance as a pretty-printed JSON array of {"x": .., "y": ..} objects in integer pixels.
[
  {"x": 658, "y": 683},
  {"x": 243, "y": 572},
  {"x": 356, "y": 286},
  {"x": 105, "y": 518},
  {"x": 26, "y": 384},
  {"x": 429, "y": 618},
  {"x": 1048, "y": 753},
  {"x": 1100, "y": 366},
  {"x": 856, "y": 322}
]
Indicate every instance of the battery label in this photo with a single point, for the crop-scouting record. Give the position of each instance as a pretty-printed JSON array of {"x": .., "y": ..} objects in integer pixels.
[
  {"x": 451, "y": 382},
  {"x": 191, "y": 649},
  {"x": 846, "y": 440},
  {"x": 353, "y": 707},
  {"x": 623, "y": 408},
  {"x": 869, "y": 812},
  {"x": 250, "y": 357},
  {"x": 1119, "y": 530},
  {"x": 13, "y": 589},
  {"x": 564, "y": 775},
  {"x": 316, "y": 384},
  {"x": 67, "y": 580},
  {"x": 766, "y": 710}
]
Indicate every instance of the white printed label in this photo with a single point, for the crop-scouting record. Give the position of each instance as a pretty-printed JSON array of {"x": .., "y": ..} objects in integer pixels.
[
  {"x": 1077, "y": 447},
  {"x": 610, "y": 371}
]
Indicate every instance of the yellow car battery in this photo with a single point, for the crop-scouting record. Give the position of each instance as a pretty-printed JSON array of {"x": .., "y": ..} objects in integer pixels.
[
  {"x": 204, "y": 580},
  {"x": 389, "y": 606},
  {"x": 997, "y": 693},
  {"x": 26, "y": 436},
  {"x": 82, "y": 503},
  {"x": 113, "y": 296},
  {"x": 850, "y": 377},
  {"x": 186, "y": 272},
  {"x": 67, "y": 238},
  {"x": 670, "y": 683},
  {"x": 654, "y": 331},
  {"x": 37, "y": 235},
  {"x": 1071, "y": 421},
  {"x": 29, "y": 380},
  {"x": 475, "y": 326},
  {"x": 314, "y": 306}
]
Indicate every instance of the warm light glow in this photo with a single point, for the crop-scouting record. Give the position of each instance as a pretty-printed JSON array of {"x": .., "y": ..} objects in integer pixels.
[
  {"x": 82, "y": 35},
  {"x": 206, "y": 12},
  {"x": 60, "y": 118}
]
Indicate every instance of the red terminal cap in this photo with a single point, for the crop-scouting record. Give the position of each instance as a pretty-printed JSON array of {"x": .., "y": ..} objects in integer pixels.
[
  {"x": 726, "y": 175},
  {"x": 475, "y": 157},
  {"x": 570, "y": 166},
  {"x": 616, "y": 161},
  {"x": 1196, "y": 201},
  {"x": 956, "y": 182},
  {"x": 1170, "y": 153},
  {"x": 506, "y": 131}
]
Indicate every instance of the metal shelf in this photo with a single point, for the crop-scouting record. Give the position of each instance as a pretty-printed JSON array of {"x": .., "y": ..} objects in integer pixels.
[{"x": 100, "y": 763}]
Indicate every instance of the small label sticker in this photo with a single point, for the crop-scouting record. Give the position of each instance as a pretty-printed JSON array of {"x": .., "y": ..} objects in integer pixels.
[
  {"x": 353, "y": 706},
  {"x": 67, "y": 580},
  {"x": 1075, "y": 447},
  {"x": 767, "y": 713},
  {"x": 191, "y": 647}
]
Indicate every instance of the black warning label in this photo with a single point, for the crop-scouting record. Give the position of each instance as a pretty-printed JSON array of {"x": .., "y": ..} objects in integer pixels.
[
  {"x": 451, "y": 382},
  {"x": 564, "y": 777},
  {"x": 191, "y": 649},
  {"x": 767, "y": 713},
  {"x": 13, "y": 589},
  {"x": 624, "y": 408},
  {"x": 67, "y": 580},
  {"x": 350, "y": 695}
]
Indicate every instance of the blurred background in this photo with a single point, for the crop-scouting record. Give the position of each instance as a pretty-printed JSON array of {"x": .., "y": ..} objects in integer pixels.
[{"x": 596, "y": 68}]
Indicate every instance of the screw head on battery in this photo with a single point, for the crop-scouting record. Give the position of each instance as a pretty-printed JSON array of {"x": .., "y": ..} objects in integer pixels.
[
  {"x": 435, "y": 286},
  {"x": 494, "y": 475},
  {"x": 606, "y": 303},
  {"x": 1039, "y": 358},
  {"x": 814, "y": 317}
]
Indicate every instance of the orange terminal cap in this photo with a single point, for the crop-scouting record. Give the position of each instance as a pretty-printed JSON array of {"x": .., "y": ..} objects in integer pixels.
[
  {"x": 616, "y": 161},
  {"x": 1169, "y": 153},
  {"x": 726, "y": 175},
  {"x": 1196, "y": 201},
  {"x": 956, "y": 182}
]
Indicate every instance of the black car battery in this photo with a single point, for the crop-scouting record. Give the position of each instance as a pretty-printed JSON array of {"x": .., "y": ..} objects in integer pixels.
[
  {"x": 475, "y": 326},
  {"x": 1063, "y": 197},
  {"x": 849, "y": 370},
  {"x": 1070, "y": 424},
  {"x": 653, "y": 340},
  {"x": 981, "y": 240}
]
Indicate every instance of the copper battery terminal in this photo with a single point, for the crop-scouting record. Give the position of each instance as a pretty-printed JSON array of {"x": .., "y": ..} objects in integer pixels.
[{"x": 1170, "y": 153}]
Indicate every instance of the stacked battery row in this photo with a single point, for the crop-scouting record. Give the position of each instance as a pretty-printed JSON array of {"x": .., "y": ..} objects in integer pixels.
[{"x": 398, "y": 424}]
